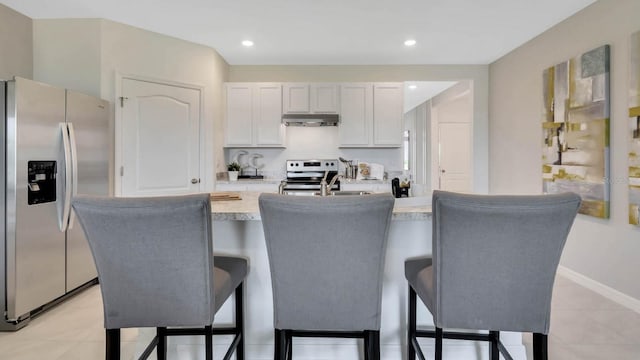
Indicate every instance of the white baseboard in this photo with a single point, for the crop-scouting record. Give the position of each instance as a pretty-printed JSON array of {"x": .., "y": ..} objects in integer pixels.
[{"x": 608, "y": 292}]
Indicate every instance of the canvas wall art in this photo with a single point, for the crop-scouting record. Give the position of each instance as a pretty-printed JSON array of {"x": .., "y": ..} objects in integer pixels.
[
  {"x": 575, "y": 126},
  {"x": 634, "y": 130}
]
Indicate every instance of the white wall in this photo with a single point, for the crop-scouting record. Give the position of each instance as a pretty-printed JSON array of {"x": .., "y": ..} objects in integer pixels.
[
  {"x": 16, "y": 44},
  {"x": 66, "y": 53},
  {"x": 607, "y": 251},
  {"x": 86, "y": 55},
  {"x": 478, "y": 74},
  {"x": 132, "y": 51}
]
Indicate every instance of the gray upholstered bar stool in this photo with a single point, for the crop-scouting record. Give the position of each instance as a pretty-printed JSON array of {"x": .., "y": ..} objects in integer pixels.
[
  {"x": 493, "y": 267},
  {"x": 157, "y": 269},
  {"x": 326, "y": 256}
]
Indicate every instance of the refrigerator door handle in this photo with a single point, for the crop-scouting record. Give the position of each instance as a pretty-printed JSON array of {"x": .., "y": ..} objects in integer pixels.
[
  {"x": 66, "y": 205},
  {"x": 74, "y": 172}
]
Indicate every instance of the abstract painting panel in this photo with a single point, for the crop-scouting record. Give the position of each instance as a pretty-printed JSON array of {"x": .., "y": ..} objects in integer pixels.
[
  {"x": 575, "y": 127},
  {"x": 634, "y": 130}
]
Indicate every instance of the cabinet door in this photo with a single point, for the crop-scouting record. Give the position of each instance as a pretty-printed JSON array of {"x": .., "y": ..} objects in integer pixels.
[
  {"x": 295, "y": 98},
  {"x": 387, "y": 114},
  {"x": 239, "y": 105},
  {"x": 356, "y": 114},
  {"x": 324, "y": 98},
  {"x": 267, "y": 114}
]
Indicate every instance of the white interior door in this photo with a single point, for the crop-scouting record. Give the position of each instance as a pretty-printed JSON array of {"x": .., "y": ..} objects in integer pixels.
[
  {"x": 453, "y": 130},
  {"x": 160, "y": 139},
  {"x": 455, "y": 157}
]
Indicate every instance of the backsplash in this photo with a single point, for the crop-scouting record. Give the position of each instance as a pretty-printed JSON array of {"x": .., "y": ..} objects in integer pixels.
[{"x": 312, "y": 142}]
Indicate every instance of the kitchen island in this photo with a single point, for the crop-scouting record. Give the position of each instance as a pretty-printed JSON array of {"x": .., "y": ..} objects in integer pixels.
[{"x": 238, "y": 230}]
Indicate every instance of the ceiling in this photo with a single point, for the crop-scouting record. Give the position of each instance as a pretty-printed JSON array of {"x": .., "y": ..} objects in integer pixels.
[{"x": 331, "y": 32}]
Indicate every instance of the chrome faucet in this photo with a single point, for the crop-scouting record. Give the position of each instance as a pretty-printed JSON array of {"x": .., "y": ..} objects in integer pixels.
[
  {"x": 323, "y": 184},
  {"x": 325, "y": 188},
  {"x": 333, "y": 181},
  {"x": 283, "y": 183}
]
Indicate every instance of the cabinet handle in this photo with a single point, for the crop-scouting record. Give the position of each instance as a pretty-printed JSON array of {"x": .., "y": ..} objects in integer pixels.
[{"x": 195, "y": 181}]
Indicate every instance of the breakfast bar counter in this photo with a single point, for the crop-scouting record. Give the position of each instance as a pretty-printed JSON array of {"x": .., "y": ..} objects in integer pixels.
[
  {"x": 247, "y": 208},
  {"x": 237, "y": 230}
]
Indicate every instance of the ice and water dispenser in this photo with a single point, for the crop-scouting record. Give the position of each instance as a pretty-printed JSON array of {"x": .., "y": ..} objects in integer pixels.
[{"x": 42, "y": 182}]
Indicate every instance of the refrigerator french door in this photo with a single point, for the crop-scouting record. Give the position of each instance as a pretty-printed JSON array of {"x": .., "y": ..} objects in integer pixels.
[{"x": 55, "y": 146}]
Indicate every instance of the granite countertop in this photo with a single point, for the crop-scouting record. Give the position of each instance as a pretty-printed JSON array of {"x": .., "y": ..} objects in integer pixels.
[
  {"x": 277, "y": 181},
  {"x": 247, "y": 209},
  {"x": 250, "y": 181},
  {"x": 362, "y": 181}
]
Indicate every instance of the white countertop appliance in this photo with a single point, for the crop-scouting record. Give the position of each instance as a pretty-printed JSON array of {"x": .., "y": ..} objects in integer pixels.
[
  {"x": 304, "y": 176},
  {"x": 56, "y": 145}
]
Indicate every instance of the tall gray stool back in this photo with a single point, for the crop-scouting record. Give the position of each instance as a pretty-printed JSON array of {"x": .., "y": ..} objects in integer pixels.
[
  {"x": 493, "y": 266},
  {"x": 326, "y": 256},
  {"x": 155, "y": 265}
]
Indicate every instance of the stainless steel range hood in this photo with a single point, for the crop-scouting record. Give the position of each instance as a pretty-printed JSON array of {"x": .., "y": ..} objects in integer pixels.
[{"x": 310, "y": 119}]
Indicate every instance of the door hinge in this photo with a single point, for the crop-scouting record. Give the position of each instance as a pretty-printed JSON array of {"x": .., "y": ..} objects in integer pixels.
[
  {"x": 121, "y": 170},
  {"x": 122, "y": 99}
]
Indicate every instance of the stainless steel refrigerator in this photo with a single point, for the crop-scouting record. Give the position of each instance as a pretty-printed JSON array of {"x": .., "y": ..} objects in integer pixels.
[{"x": 55, "y": 145}]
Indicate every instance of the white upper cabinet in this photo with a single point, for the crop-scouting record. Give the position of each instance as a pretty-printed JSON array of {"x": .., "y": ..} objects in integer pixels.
[
  {"x": 387, "y": 114},
  {"x": 324, "y": 98},
  {"x": 254, "y": 115},
  {"x": 314, "y": 98},
  {"x": 371, "y": 114},
  {"x": 267, "y": 115},
  {"x": 239, "y": 115},
  {"x": 356, "y": 114},
  {"x": 296, "y": 98}
]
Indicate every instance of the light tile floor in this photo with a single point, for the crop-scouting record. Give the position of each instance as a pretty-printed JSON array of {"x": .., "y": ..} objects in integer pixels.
[{"x": 584, "y": 326}]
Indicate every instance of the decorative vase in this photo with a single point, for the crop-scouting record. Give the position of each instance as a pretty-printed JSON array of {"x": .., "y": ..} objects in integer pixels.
[{"x": 233, "y": 175}]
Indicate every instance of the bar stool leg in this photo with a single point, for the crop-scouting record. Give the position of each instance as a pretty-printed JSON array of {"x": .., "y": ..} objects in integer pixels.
[{"x": 112, "y": 344}]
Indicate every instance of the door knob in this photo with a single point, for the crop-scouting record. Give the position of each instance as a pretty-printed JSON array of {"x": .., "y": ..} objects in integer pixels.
[
  {"x": 195, "y": 181},
  {"x": 442, "y": 171}
]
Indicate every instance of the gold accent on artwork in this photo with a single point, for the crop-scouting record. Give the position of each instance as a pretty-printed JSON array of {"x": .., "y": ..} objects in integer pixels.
[
  {"x": 594, "y": 208},
  {"x": 634, "y": 172},
  {"x": 576, "y": 129},
  {"x": 551, "y": 125},
  {"x": 633, "y": 215},
  {"x": 634, "y": 111},
  {"x": 564, "y": 175},
  {"x": 548, "y": 99},
  {"x": 572, "y": 84}
]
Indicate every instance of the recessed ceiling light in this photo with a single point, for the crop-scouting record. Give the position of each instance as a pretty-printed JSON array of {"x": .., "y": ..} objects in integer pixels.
[
  {"x": 413, "y": 87},
  {"x": 410, "y": 42},
  {"x": 247, "y": 43}
]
